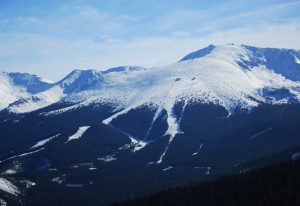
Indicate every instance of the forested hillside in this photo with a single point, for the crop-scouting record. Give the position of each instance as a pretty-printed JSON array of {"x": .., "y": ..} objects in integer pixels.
[{"x": 277, "y": 184}]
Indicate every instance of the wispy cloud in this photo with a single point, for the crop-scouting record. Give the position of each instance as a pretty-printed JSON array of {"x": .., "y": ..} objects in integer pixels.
[
  {"x": 288, "y": 4},
  {"x": 87, "y": 36},
  {"x": 224, "y": 17}
]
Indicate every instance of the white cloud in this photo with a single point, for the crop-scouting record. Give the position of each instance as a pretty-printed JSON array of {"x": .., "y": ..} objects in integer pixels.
[
  {"x": 92, "y": 13},
  {"x": 288, "y": 4},
  {"x": 101, "y": 43},
  {"x": 225, "y": 16},
  {"x": 53, "y": 58}
]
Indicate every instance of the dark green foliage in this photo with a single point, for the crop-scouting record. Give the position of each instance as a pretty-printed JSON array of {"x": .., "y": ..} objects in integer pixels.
[{"x": 274, "y": 185}]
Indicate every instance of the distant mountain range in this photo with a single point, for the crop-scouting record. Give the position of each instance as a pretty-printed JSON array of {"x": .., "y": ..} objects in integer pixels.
[
  {"x": 226, "y": 75},
  {"x": 113, "y": 134}
]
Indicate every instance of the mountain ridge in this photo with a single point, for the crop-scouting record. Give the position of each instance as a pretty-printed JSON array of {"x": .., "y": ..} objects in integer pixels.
[{"x": 260, "y": 75}]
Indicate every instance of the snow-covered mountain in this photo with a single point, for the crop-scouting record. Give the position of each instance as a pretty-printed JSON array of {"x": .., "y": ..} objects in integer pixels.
[
  {"x": 200, "y": 117},
  {"x": 228, "y": 75},
  {"x": 16, "y": 86},
  {"x": 30, "y": 93}
]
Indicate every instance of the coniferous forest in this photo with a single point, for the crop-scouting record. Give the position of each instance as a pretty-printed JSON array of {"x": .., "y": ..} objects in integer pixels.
[{"x": 273, "y": 185}]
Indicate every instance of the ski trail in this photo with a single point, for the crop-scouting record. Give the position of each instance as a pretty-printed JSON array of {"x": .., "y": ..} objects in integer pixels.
[
  {"x": 165, "y": 151},
  {"x": 157, "y": 113},
  {"x": 260, "y": 133},
  {"x": 131, "y": 104},
  {"x": 135, "y": 142},
  {"x": 108, "y": 120},
  {"x": 198, "y": 150},
  {"x": 173, "y": 126},
  {"x": 21, "y": 155},
  {"x": 183, "y": 109}
]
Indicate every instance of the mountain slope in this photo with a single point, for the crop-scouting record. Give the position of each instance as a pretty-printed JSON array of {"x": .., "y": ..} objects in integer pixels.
[
  {"x": 195, "y": 119},
  {"x": 216, "y": 77},
  {"x": 15, "y": 86}
]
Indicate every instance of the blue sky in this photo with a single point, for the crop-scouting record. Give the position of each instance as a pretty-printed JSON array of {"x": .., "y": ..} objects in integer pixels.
[{"x": 51, "y": 38}]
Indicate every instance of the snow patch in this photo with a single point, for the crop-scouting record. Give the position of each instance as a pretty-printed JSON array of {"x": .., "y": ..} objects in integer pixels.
[
  {"x": 2, "y": 202},
  {"x": 107, "y": 158},
  {"x": 134, "y": 142},
  {"x": 173, "y": 126},
  {"x": 9, "y": 172},
  {"x": 260, "y": 133},
  {"x": 183, "y": 109},
  {"x": 79, "y": 133},
  {"x": 84, "y": 165},
  {"x": 22, "y": 155},
  {"x": 58, "y": 180},
  {"x": 28, "y": 183},
  {"x": 124, "y": 147},
  {"x": 42, "y": 142},
  {"x": 167, "y": 168},
  {"x": 108, "y": 120},
  {"x": 297, "y": 60},
  {"x": 198, "y": 150},
  {"x": 8, "y": 187},
  {"x": 156, "y": 115},
  {"x": 93, "y": 168},
  {"x": 137, "y": 144},
  {"x": 165, "y": 151},
  {"x": 296, "y": 156}
]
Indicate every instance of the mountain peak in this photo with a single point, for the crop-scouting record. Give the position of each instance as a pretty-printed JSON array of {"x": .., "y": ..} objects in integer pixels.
[
  {"x": 80, "y": 79},
  {"x": 77, "y": 74},
  {"x": 30, "y": 82},
  {"x": 285, "y": 62},
  {"x": 199, "y": 53},
  {"x": 123, "y": 69},
  {"x": 82, "y": 72}
]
